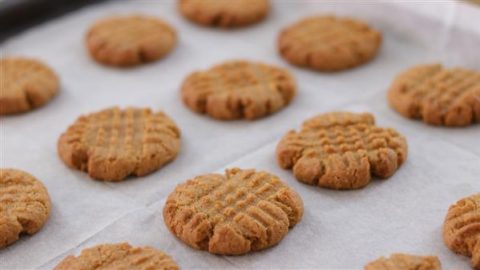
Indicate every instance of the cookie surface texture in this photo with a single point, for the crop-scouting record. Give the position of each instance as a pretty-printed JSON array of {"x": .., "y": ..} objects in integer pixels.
[
  {"x": 25, "y": 85},
  {"x": 232, "y": 214},
  {"x": 461, "y": 230},
  {"x": 341, "y": 150},
  {"x": 405, "y": 262},
  {"x": 118, "y": 256},
  {"x": 113, "y": 144},
  {"x": 238, "y": 89},
  {"x": 130, "y": 40},
  {"x": 437, "y": 95},
  {"x": 24, "y": 205},
  {"x": 224, "y": 13},
  {"x": 328, "y": 43}
]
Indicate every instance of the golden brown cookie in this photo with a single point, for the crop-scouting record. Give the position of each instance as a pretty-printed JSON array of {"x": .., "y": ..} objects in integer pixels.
[
  {"x": 130, "y": 40},
  {"x": 405, "y": 262},
  {"x": 25, "y": 85},
  {"x": 439, "y": 96},
  {"x": 328, "y": 43},
  {"x": 461, "y": 230},
  {"x": 24, "y": 205},
  {"x": 341, "y": 150},
  {"x": 232, "y": 214},
  {"x": 118, "y": 256},
  {"x": 238, "y": 89},
  {"x": 112, "y": 144},
  {"x": 224, "y": 13}
]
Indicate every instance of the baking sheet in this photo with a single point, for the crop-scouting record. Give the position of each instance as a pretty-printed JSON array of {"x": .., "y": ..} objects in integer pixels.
[{"x": 340, "y": 230}]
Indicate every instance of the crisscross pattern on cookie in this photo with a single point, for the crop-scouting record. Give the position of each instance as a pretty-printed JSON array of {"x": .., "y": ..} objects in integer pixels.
[
  {"x": 25, "y": 84},
  {"x": 118, "y": 256},
  {"x": 230, "y": 13},
  {"x": 24, "y": 205},
  {"x": 341, "y": 151},
  {"x": 130, "y": 40},
  {"x": 461, "y": 229},
  {"x": 405, "y": 262},
  {"x": 437, "y": 95},
  {"x": 329, "y": 43},
  {"x": 113, "y": 144},
  {"x": 238, "y": 89},
  {"x": 235, "y": 213}
]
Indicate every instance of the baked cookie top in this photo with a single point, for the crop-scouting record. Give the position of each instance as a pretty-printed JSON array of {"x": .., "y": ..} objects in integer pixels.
[
  {"x": 26, "y": 84},
  {"x": 461, "y": 230},
  {"x": 130, "y": 40},
  {"x": 113, "y": 143},
  {"x": 405, "y": 262},
  {"x": 329, "y": 43},
  {"x": 118, "y": 256},
  {"x": 224, "y": 13},
  {"x": 238, "y": 89},
  {"x": 438, "y": 95},
  {"x": 232, "y": 214},
  {"x": 24, "y": 205},
  {"x": 341, "y": 150}
]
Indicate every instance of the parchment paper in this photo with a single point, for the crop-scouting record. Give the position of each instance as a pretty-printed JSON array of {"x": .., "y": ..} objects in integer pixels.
[{"x": 340, "y": 230}]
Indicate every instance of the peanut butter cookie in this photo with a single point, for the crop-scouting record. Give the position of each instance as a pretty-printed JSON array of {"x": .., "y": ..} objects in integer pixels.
[
  {"x": 130, "y": 40},
  {"x": 328, "y": 43},
  {"x": 341, "y": 150},
  {"x": 118, "y": 256},
  {"x": 238, "y": 89},
  {"x": 461, "y": 230},
  {"x": 25, "y": 85},
  {"x": 405, "y": 262},
  {"x": 232, "y": 214},
  {"x": 224, "y": 13},
  {"x": 439, "y": 96},
  {"x": 112, "y": 144},
  {"x": 24, "y": 205}
]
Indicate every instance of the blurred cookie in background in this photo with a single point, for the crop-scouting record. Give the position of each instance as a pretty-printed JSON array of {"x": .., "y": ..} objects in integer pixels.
[
  {"x": 130, "y": 40},
  {"x": 224, "y": 13},
  {"x": 437, "y": 95},
  {"x": 26, "y": 84},
  {"x": 329, "y": 43}
]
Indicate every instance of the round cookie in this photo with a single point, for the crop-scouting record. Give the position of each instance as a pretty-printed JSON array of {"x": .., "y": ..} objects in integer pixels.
[
  {"x": 26, "y": 85},
  {"x": 118, "y": 256},
  {"x": 461, "y": 230},
  {"x": 341, "y": 150},
  {"x": 238, "y": 89},
  {"x": 224, "y": 13},
  {"x": 439, "y": 96},
  {"x": 232, "y": 214},
  {"x": 130, "y": 40},
  {"x": 328, "y": 43},
  {"x": 113, "y": 144},
  {"x": 405, "y": 262},
  {"x": 24, "y": 205}
]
